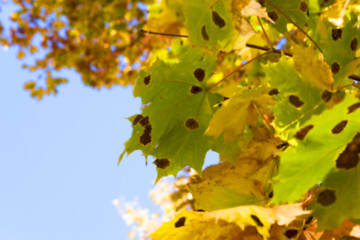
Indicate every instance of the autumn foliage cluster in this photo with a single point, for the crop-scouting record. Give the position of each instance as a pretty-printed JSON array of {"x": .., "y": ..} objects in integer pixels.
[{"x": 272, "y": 86}]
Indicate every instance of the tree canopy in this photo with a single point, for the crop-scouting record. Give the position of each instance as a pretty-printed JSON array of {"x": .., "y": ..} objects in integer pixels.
[{"x": 271, "y": 86}]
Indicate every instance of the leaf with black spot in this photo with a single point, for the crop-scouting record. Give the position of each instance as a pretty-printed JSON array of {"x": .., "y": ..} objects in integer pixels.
[
  {"x": 218, "y": 20},
  {"x": 310, "y": 161},
  {"x": 336, "y": 34},
  {"x": 296, "y": 10},
  {"x": 147, "y": 79},
  {"x": 145, "y": 138},
  {"x": 137, "y": 119},
  {"x": 326, "y": 96},
  {"x": 204, "y": 33},
  {"x": 326, "y": 197},
  {"x": 353, "y": 107},
  {"x": 273, "y": 91},
  {"x": 303, "y": 6},
  {"x": 301, "y": 134},
  {"x": 291, "y": 233},
  {"x": 195, "y": 89},
  {"x": 162, "y": 163},
  {"x": 180, "y": 222},
  {"x": 353, "y": 44},
  {"x": 257, "y": 220},
  {"x": 335, "y": 68},
  {"x": 191, "y": 124},
  {"x": 175, "y": 94},
  {"x": 199, "y": 74},
  {"x": 296, "y": 101},
  {"x": 339, "y": 127},
  {"x": 144, "y": 121},
  {"x": 273, "y": 16}
]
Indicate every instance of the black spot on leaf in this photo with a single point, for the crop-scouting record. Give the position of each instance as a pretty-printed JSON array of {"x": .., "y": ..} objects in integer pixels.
[
  {"x": 147, "y": 79},
  {"x": 191, "y": 123},
  {"x": 204, "y": 33},
  {"x": 295, "y": 100},
  {"x": 291, "y": 233},
  {"x": 349, "y": 158},
  {"x": 145, "y": 138},
  {"x": 335, "y": 68},
  {"x": 180, "y": 222},
  {"x": 326, "y": 197},
  {"x": 353, "y": 44},
  {"x": 257, "y": 220},
  {"x": 144, "y": 121},
  {"x": 326, "y": 96},
  {"x": 162, "y": 163},
  {"x": 336, "y": 34},
  {"x": 148, "y": 129},
  {"x": 219, "y": 21},
  {"x": 271, "y": 194},
  {"x": 303, "y": 132},
  {"x": 339, "y": 127},
  {"x": 273, "y": 92},
  {"x": 262, "y": 2},
  {"x": 195, "y": 89},
  {"x": 137, "y": 119},
  {"x": 199, "y": 74},
  {"x": 273, "y": 16},
  {"x": 283, "y": 146},
  {"x": 200, "y": 210},
  {"x": 303, "y": 6},
  {"x": 353, "y": 107},
  {"x": 309, "y": 220}
]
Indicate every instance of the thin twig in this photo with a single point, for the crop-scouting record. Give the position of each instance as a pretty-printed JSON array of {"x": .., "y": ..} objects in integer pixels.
[
  {"x": 268, "y": 49},
  {"x": 237, "y": 69},
  {"x": 164, "y": 34},
  {"x": 266, "y": 37},
  {"x": 289, "y": 19}
]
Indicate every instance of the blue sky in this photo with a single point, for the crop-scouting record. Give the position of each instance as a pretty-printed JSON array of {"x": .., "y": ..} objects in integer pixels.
[{"x": 58, "y": 157}]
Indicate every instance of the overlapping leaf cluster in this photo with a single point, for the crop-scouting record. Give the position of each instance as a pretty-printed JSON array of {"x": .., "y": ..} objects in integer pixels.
[
  {"x": 283, "y": 119},
  {"x": 285, "y": 124}
]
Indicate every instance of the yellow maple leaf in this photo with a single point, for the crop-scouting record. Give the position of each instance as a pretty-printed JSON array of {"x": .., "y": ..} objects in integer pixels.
[
  {"x": 246, "y": 222},
  {"x": 238, "y": 111},
  {"x": 222, "y": 186},
  {"x": 313, "y": 68}
]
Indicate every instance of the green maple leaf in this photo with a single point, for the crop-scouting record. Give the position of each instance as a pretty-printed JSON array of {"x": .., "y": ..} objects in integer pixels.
[
  {"x": 177, "y": 110},
  {"x": 319, "y": 144},
  {"x": 339, "y": 47},
  {"x": 297, "y": 98},
  {"x": 295, "y": 10},
  {"x": 338, "y": 198},
  {"x": 209, "y": 23}
]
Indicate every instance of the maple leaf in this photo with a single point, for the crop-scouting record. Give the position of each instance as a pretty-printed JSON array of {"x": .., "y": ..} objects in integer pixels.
[
  {"x": 306, "y": 164},
  {"x": 293, "y": 93},
  {"x": 231, "y": 223},
  {"x": 240, "y": 110},
  {"x": 225, "y": 185},
  {"x": 339, "y": 47},
  {"x": 313, "y": 69},
  {"x": 177, "y": 111}
]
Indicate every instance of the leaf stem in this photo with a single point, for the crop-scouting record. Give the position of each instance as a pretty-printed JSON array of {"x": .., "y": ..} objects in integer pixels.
[
  {"x": 164, "y": 34},
  {"x": 289, "y": 19},
  {"x": 266, "y": 37},
  {"x": 238, "y": 68}
]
